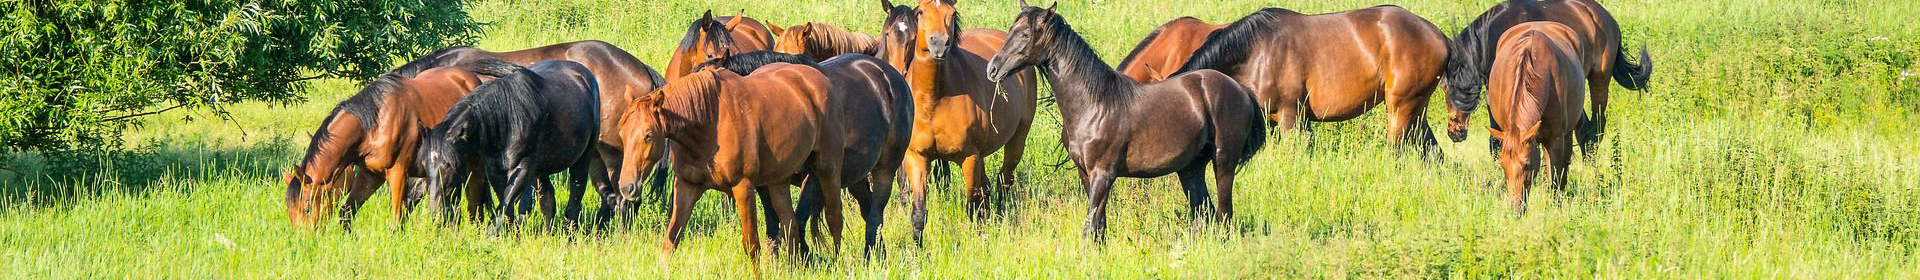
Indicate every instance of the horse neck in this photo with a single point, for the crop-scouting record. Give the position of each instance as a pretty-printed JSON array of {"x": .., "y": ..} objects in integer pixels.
[
  {"x": 336, "y": 140},
  {"x": 695, "y": 107},
  {"x": 1080, "y": 79}
]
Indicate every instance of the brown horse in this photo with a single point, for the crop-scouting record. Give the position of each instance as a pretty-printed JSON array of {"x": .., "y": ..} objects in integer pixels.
[
  {"x": 737, "y": 134},
  {"x": 1473, "y": 50},
  {"x": 959, "y": 115},
  {"x": 703, "y": 41},
  {"x": 1116, "y": 127},
  {"x": 377, "y": 131},
  {"x": 621, "y": 77},
  {"x": 820, "y": 42},
  {"x": 1334, "y": 67},
  {"x": 1534, "y": 91},
  {"x": 1165, "y": 49},
  {"x": 875, "y": 121}
]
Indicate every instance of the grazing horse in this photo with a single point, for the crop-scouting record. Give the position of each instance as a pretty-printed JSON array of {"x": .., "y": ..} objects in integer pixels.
[
  {"x": 520, "y": 128},
  {"x": 1115, "y": 126},
  {"x": 1165, "y": 49},
  {"x": 1534, "y": 91},
  {"x": 819, "y": 41},
  {"x": 959, "y": 115},
  {"x": 375, "y": 130},
  {"x": 876, "y": 117},
  {"x": 708, "y": 38},
  {"x": 620, "y": 76},
  {"x": 736, "y": 134},
  {"x": 1334, "y": 67},
  {"x": 1473, "y": 49}
]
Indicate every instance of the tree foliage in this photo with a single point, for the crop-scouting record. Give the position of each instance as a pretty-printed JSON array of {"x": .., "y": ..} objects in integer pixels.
[{"x": 75, "y": 73}]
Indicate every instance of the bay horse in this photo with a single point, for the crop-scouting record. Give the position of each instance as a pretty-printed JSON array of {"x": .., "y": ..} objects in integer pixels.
[
  {"x": 375, "y": 130},
  {"x": 959, "y": 116},
  {"x": 1117, "y": 127},
  {"x": 1334, "y": 67},
  {"x": 820, "y": 41},
  {"x": 704, "y": 40},
  {"x": 737, "y": 134},
  {"x": 876, "y": 117},
  {"x": 528, "y": 124},
  {"x": 1474, "y": 47},
  {"x": 620, "y": 76},
  {"x": 1165, "y": 49},
  {"x": 1534, "y": 92}
]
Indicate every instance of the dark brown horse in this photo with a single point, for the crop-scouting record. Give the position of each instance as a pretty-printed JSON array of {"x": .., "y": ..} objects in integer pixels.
[
  {"x": 621, "y": 77},
  {"x": 1116, "y": 127},
  {"x": 876, "y": 117},
  {"x": 1534, "y": 91},
  {"x": 1334, "y": 67},
  {"x": 819, "y": 41},
  {"x": 704, "y": 40},
  {"x": 959, "y": 115},
  {"x": 1166, "y": 49},
  {"x": 737, "y": 134},
  {"x": 1473, "y": 49},
  {"x": 375, "y": 130},
  {"x": 528, "y": 124}
]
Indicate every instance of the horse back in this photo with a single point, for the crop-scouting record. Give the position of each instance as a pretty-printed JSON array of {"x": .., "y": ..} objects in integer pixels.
[
  {"x": 1165, "y": 49},
  {"x": 1537, "y": 75},
  {"x": 435, "y": 90},
  {"x": 752, "y": 35}
]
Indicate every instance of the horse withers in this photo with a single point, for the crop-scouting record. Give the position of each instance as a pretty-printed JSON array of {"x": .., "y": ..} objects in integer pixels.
[
  {"x": 1117, "y": 127},
  {"x": 1534, "y": 92},
  {"x": 1166, "y": 49},
  {"x": 518, "y": 129}
]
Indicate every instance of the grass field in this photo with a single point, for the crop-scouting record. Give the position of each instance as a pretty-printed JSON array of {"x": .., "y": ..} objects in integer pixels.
[{"x": 1778, "y": 142}]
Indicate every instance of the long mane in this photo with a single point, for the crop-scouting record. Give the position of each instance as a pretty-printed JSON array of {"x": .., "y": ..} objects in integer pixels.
[
  {"x": 1069, "y": 49},
  {"x": 833, "y": 38},
  {"x": 715, "y": 30},
  {"x": 1470, "y": 53},
  {"x": 746, "y": 63},
  {"x": 692, "y": 97},
  {"x": 495, "y": 102},
  {"x": 1227, "y": 48}
]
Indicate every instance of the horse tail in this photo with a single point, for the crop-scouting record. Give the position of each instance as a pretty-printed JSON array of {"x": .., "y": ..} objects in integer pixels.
[
  {"x": 1632, "y": 76},
  {"x": 658, "y": 81},
  {"x": 493, "y": 67},
  {"x": 1257, "y": 132}
]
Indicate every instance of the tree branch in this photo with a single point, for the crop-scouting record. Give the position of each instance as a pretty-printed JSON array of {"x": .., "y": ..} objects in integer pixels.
[
  {"x": 305, "y": 78},
  {"x": 143, "y": 113}
]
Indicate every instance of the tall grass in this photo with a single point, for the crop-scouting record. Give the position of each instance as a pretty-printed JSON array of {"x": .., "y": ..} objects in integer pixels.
[{"x": 1776, "y": 143}]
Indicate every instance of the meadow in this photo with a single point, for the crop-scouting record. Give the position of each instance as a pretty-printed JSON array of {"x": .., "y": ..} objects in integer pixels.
[{"x": 1777, "y": 141}]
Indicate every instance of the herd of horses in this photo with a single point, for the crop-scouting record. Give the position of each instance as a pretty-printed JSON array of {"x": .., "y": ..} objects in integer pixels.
[{"x": 754, "y": 110}]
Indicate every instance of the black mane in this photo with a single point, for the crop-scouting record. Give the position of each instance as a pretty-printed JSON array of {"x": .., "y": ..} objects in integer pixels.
[
  {"x": 1470, "y": 53},
  {"x": 1227, "y": 48},
  {"x": 746, "y": 63},
  {"x": 1075, "y": 66},
  {"x": 1144, "y": 41},
  {"x": 716, "y": 32},
  {"x": 481, "y": 114},
  {"x": 365, "y": 105}
]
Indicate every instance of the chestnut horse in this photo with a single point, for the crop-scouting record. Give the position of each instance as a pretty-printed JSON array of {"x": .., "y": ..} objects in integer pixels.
[
  {"x": 703, "y": 41},
  {"x": 620, "y": 76},
  {"x": 1117, "y": 127},
  {"x": 1473, "y": 49},
  {"x": 375, "y": 130},
  {"x": 1165, "y": 49},
  {"x": 519, "y": 128},
  {"x": 959, "y": 115},
  {"x": 737, "y": 134},
  {"x": 1534, "y": 91},
  {"x": 876, "y": 117},
  {"x": 1334, "y": 67},
  {"x": 820, "y": 42}
]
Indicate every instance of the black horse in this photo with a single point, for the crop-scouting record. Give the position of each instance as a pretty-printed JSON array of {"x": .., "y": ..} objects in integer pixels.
[
  {"x": 519, "y": 128},
  {"x": 1116, "y": 127},
  {"x": 876, "y": 121}
]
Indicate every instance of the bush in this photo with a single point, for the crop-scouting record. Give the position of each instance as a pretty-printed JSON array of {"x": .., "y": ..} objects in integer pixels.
[{"x": 77, "y": 73}]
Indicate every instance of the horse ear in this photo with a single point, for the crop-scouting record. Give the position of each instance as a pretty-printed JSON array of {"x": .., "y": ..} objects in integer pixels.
[
  {"x": 886, "y": 6},
  {"x": 1050, "y": 8},
  {"x": 1531, "y": 131},
  {"x": 949, "y": 2},
  {"x": 708, "y": 15},
  {"x": 1023, "y": 5},
  {"x": 1152, "y": 73},
  {"x": 775, "y": 28},
  {"x": 738, "y": 19},
  {"x": 1493, "y": 132}
]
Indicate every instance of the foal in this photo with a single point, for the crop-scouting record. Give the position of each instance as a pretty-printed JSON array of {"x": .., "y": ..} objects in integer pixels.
[
  {"x": 1535, "y": 92},
  {"x": 1116, "y": 127}
]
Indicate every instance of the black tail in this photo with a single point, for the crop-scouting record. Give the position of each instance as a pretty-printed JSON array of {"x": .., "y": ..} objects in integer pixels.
[
  {"x": 1629, "y": 75},
  {"x": 1257, "y": 137},
  {"x": 493, "y": 67}
]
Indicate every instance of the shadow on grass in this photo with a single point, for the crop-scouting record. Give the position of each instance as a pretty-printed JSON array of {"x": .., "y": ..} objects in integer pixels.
[{"x": 52, "y": 179}]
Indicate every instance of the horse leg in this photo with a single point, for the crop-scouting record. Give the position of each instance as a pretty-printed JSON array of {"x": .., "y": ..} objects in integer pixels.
[
  {"x": 397, "y": 180},
  {"x": 479, "y": 198},
  {"x": 1559, "y": 154},
  {"x": 1223, "y": 174},
  {"x": 1193, "y": 179},
  {"x": 973, "y": 167},
  {"x": 742, "y": 194},
  {"x": 1101, "y": 183},
  {"x": 577, "y": 188},
  {"x": 684, "y": 195},
  {"x": 782, "y": 196},
  {"x": 1010, "y": 164},
  {"x": 1593, "y": 129},
  {"x": 543, "y": 189},
  {"x": 915, "y": 166},
  {"x": 830, "y": 184},
  {"x": 611, "y": 201},
  {"x": 518, "y": 182},
  {"x": 360, "y": 188},
  {"x": 773, "y": 230},
  {"x": 872, "y": 202},
  {"x": 1407, "y": 119},
  {"x": 1493, "y": 143}
]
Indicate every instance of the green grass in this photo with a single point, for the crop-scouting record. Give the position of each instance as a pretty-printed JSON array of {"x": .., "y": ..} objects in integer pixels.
[{"x": 1777, "y": 143}]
